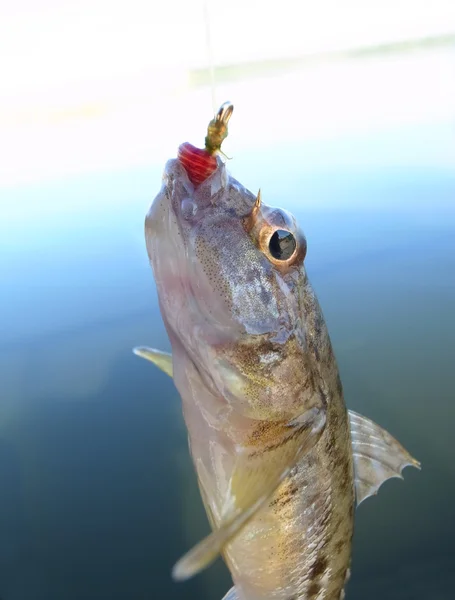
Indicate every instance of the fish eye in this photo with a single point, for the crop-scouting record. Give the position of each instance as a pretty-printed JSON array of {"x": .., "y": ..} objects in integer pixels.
[{"x": 282, "y": 244}]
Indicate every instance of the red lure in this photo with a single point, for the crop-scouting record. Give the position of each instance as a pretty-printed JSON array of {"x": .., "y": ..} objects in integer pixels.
[{"x": 200, "y": 164}]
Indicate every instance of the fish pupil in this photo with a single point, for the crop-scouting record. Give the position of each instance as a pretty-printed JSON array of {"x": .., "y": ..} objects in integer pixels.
[{"x": 282, "y": 244}]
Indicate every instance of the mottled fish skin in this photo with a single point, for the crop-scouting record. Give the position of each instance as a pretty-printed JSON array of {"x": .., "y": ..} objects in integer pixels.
[
  {"x": 300, "y": 546},
  {"x": 251, "y": 354}
]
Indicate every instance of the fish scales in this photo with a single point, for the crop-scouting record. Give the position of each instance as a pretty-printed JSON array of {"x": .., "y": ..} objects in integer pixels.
[
  {"x": 280, "y": 461},
  {"x": 288, "y": 547},
  {"x": 299, "y": 546}
]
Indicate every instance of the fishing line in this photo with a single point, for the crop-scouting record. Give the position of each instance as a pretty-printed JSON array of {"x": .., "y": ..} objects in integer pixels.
[{"x": 211, "y": 67}]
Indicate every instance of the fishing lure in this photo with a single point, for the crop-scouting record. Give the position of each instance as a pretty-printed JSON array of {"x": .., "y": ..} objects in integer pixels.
[{"x": 201, "y": 163}]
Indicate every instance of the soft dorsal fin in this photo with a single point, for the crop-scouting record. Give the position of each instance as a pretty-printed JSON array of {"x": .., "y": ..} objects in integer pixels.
[
  {"x": 231, "y": 595},
  {"x": 377, "y": 456},
  {"x": 163, "y": 360}
]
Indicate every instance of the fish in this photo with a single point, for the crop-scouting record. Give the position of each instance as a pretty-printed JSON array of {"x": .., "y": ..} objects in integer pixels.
[{"x": 280, "y": 461}]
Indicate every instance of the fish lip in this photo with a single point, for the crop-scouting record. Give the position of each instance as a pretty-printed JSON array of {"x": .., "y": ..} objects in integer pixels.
[{"x": 175, "y": 171}]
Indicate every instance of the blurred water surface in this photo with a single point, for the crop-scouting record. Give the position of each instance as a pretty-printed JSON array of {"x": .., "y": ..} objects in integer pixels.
[{"x": 98, "y": 496}]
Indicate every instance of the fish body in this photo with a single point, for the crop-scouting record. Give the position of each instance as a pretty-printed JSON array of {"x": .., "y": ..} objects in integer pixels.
[{"x": 278, "y": 457}]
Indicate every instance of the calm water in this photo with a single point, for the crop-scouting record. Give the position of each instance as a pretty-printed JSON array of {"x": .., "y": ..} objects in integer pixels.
[{"x": 98, "y": 496}]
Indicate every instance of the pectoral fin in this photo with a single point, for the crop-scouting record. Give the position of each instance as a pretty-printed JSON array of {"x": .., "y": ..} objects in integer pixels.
[
  {"x": 231, "y": 595},
  {"x": 377, "y": 456},
  {"x": 163, "y": 360},
  {"x": 256, "y": 476}
]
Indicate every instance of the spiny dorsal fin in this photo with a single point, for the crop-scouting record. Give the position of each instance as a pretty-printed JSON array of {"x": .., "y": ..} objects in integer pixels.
[
  {"x": 377, "y": 456},
  {"x": 163, "y": 360}
]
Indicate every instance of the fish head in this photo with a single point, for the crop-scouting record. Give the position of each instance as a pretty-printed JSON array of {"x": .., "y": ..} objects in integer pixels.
[{"x": 233, "y": 292}]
